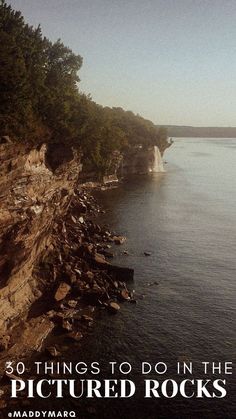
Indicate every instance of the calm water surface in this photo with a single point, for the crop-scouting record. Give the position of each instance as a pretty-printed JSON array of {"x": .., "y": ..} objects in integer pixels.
[{"x": 186, "y": 218}]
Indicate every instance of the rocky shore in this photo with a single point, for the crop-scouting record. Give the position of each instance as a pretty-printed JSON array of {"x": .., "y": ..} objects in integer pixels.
[
  {"x": 76, "y": 275},
  {"x": 56, "y": 269}
]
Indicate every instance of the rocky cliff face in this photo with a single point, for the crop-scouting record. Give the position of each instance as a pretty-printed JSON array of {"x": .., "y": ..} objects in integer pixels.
[
  {"x": 53, "y": 256},
  {"x": 36, "y": 187},
  {"x": 139, "y": 160},
  {"x": 47, "y": 238}
]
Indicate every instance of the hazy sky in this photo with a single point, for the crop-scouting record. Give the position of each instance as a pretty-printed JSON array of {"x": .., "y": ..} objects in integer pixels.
[{"x": 172, "y": 61}]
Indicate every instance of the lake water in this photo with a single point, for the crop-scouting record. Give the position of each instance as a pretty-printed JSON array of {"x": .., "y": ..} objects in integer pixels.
[
  {"x": 186, "y": 218},
  {"x": 186, "y": 294}
]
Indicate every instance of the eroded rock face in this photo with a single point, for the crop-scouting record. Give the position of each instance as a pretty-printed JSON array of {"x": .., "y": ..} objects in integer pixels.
[
  {"x": 33, "y": 194},
  {"x": 53, "y": 254},
  {"x": 139, "y": 161}
]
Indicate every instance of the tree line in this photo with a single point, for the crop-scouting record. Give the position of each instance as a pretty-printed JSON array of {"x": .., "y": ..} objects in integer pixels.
[{"x": 41, "y": 100}]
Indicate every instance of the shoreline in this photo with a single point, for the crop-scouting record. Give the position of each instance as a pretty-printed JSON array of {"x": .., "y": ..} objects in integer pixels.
[{"x": 79, "y": 280}]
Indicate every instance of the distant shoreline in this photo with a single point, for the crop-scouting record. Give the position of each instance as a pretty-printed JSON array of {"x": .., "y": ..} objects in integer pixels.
[{"x": 201, "y": 132}]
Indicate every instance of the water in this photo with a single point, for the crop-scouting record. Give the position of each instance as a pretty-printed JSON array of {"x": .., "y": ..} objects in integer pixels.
[
  {"x": 186, "y": 218},
  {"x": 158, "y": 163}
]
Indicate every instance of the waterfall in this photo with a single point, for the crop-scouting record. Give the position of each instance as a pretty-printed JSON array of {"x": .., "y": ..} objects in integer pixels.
[{"x": 158, "y": 163}]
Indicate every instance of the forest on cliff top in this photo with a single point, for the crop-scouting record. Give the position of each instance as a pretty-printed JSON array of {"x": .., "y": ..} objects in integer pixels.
[{"x": 41, "y": 100}]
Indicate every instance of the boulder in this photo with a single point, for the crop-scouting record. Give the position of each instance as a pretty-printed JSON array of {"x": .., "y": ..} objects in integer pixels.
[
  {"x": 113, "y": 307},
  {"x": 92, "y": 296},
  {"x": 66, "y": 325},
  {"x": 119, "y": 239},
  {"x": 124, "y": 295},
  {"x": 87, "y": 319},
  {"x": 100, "y": 260},
  {"x": 62, "y": 291},
  {"x": 72, "y": 303},
  {"x": 88, "y": 276},
  {"x": 120, "y": 273},
  {"x": 107, "y": 254},
  {"x": 76, "y": 336}
]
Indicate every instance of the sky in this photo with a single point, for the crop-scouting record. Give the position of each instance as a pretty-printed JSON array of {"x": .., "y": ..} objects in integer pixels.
[{"x": 171, "y": 61}]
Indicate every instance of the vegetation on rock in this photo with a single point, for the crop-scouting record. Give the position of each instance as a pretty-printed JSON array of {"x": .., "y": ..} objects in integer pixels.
[{"x": 41, "y": 100}]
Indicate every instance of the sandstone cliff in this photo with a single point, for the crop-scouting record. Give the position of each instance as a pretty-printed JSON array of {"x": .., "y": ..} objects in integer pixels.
[
  {"x": 36, "y": 187},
  {"x": 53, "y": 256},
  {"x": 47, "y": 236}
]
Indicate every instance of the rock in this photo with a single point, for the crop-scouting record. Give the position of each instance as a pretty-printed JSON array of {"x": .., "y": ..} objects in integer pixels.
[
  {"x": 152, "y": 283},
  {"x": 89, "y": 276},
  {"x": 72, "y": 303},
  {"x": 8, "y": 377},
  {"x": 100, "y": 261},
  {"x": 113, "y": 307},
  {"x": 66, "y": 325},
  {"x": 120, "y": 273},
  {"x": 52, "y": 351},
  {"x": 81, "y": 220},
  {"x": 73, "y": 278},
  {"x": 31, "y": 337},
  {"x": 147, "y": 253},
  {"x": 124, "y": 295},
  {"x": 107, "y": 246},
  {"x": 119, "y": 239},
  {"x": 86, "y": 249},
  {"x": 92, "y": 296},
  {"x": 62, "y": 291},
  {"x": 107, "y": 254},
  {"x": 86, "y": 319},
  {"x": 82, "y": 208},
  {"x": 4, "y": 342},
  {"x": 3, "y": 404},
  {"x": 5, "y": 139},
  {"x": 76, "y": 336},
  {"x": 51, "y": 314}
]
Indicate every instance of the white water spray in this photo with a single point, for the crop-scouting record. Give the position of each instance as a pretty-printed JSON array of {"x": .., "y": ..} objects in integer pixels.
[{"x": 158, "y": 162}]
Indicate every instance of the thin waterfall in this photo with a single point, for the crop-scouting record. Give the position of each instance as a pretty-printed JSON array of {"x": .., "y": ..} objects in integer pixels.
[{"x": 158, "y": 162}]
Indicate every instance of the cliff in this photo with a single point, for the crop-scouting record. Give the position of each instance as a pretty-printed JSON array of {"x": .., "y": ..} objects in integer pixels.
[
  {"x": 53, "y": 256},
  {"x": 139, "y": 160},
  {"x": 35, "y": 189}
]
